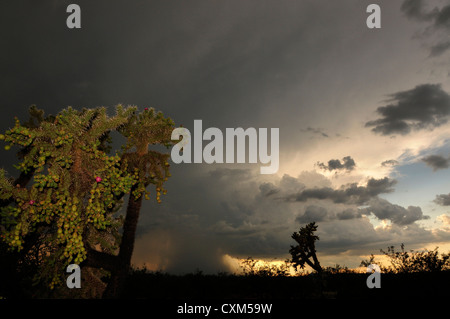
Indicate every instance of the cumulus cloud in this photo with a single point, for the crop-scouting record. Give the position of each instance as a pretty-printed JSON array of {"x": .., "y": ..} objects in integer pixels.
[
  {"x": 425, "y": 106},
  {"x": 349, "y": 194},
  {"x": 443, "y": 199},
  {"x": 397, "y": 214},
  {"x": 436, "y": 162},
  {"x": 315, "y": 213},
  {"x": 347, "y": 164},
  {"x": 445, "y": 219},
  {"x": 354, "y": 196}
]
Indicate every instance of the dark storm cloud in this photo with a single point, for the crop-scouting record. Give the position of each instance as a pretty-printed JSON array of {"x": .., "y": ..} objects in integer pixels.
[
  {"x": 439, "y": 20},
  {"x": 425, "y": 106},
  {"x": 347, "y": 163},
  {"x": 439, "y": 48},
  {"x": 267, "y": 189},
  {"x": 312, "y": 214},
  {"x": 415, "y": 9},
  {"x": 200, "y": 58},
  {"x": 443, "y": 199},
  {"x": 349, "y": 213},
  {"x": 349, "y": 194},
  {"x": 442, "y": 17},
  {"x": 436, "y": 162},
  {"x": 399, "y": 215}
]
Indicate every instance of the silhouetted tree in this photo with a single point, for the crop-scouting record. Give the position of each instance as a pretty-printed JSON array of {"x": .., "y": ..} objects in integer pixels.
[{"x": 305, "y": 251}]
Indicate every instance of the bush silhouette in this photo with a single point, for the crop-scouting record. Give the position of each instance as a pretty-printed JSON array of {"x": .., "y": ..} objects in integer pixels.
[
  {"x": 412, "y": 261},
  {"x": 252, "y": 267}
]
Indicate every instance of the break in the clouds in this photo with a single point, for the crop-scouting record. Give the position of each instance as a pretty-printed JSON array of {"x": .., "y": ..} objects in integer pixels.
[
  {"x": 348, "y": 164},
  {"x": 437, "y": 162},
  {"x": 424, "y": 107},
  {"x": 438, "y": 23}
]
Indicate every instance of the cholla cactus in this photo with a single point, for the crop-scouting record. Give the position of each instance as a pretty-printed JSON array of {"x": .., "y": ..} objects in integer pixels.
[
  {"x": 76, "y": 184},
  {"x": 305, "y": 251}
]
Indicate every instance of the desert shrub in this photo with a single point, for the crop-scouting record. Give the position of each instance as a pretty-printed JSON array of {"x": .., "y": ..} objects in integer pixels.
[{"x": 403, "y": 261}]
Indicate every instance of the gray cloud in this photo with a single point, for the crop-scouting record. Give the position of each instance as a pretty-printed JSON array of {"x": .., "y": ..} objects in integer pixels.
[
  {"x": 399, "y": 215},
  {"x": 347, "y": 163},
  {"x": 439, "y": 20},
  {"x": 436, "y": 162},
  {"x": 288, "y": 182},
  {"x": 415, "y": 9},
  {"x": 442, "y": 17},
  {"x": 349, "y": 213},
  {"x": 425, "y": 106},
  {"x": 443, "y": 199},
  {"x": 439, "y": 48},
  {"x": 315, "y": 213},
  {"x": 389, "y": 163},
  {"x": 357, "y": 195},
  {"x": 267, "y": 189},
  {"x": 312, "y": 214},
  {"x": 349, "y": 194}
]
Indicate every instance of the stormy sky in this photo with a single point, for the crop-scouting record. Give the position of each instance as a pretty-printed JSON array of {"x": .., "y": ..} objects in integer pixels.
[{"x": 363, "y": 115}]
